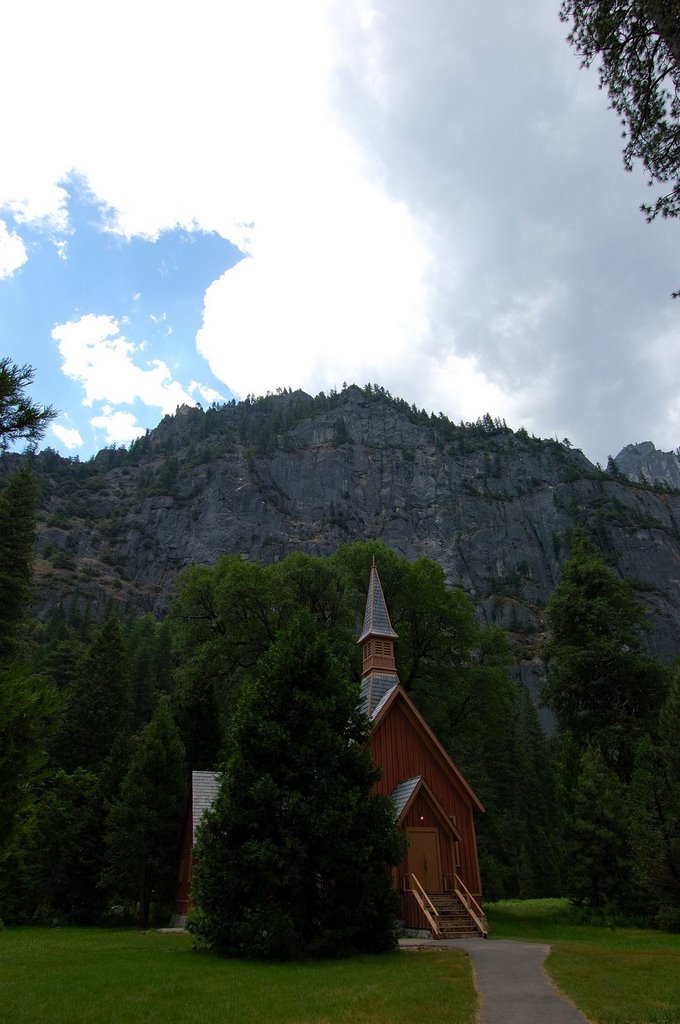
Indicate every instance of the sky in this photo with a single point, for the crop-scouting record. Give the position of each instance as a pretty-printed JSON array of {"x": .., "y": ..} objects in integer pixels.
[{"x": 201, "y": 201}]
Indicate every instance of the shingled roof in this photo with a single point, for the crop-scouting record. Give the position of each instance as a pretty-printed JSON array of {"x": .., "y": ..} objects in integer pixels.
[
  {"x": 376, "y": 619},
  {"x": 204, "y": 787},
  {"x": 402, "y": 793},
  {"x": 375, "y": 687}
]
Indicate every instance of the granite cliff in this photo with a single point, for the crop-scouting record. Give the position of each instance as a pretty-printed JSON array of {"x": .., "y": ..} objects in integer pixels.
[
  {"x": 289, "y": 472},
  {"x": 646, "y": 464}
]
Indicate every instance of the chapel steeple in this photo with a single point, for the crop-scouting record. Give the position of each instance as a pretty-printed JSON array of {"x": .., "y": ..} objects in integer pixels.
[{"x": 377, "y": 636}]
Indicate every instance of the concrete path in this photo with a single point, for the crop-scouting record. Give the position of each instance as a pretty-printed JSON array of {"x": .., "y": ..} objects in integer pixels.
[{"x": 513, "y": 988}]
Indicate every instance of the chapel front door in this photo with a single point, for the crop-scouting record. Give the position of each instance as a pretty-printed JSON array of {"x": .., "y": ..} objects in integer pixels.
[{"x": 423, "y": 857}]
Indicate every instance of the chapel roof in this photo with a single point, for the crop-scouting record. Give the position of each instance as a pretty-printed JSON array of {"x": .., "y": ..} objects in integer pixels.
[
  {"x": 375, "y": 688},
  {"x": 204, "y": 787},
  {"x": 376, "y": 618},
  {"x": 402, "y": 793}
]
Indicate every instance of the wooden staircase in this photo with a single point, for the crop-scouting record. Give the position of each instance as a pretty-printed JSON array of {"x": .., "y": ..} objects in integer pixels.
[{"x": 454, "y": 920}]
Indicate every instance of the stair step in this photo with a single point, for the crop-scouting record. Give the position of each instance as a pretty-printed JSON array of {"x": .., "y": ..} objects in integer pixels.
[{"x": 454, "y": 920}]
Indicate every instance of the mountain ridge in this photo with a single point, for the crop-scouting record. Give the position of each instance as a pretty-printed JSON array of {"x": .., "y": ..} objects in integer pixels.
[{"x": 294, "y": 472}]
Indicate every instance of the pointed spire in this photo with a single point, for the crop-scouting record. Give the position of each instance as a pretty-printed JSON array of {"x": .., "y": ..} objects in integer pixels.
[{"x": 376, "y": 618}]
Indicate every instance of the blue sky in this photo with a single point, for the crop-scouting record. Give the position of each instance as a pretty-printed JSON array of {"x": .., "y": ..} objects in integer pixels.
[
  {"x": 109, "y": 322},
  {"x": 206, "y": 200}
]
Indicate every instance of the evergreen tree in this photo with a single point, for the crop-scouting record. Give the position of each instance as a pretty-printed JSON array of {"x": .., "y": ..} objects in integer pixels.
[
  {"x": 17, "y": 538},
  {"x": 655, "y": 815},
  {"x": 27, "y": 710},
  {"x": 51, "y": 871},
  {"x": 144, "y": 822},
  {"x": 142, "y": 658},
  {"x": 637, "y": 47},
  {"x": 20, "y": 418},
  {"x": 27, "y": 704},
  {"x": 598, "y": 849},
  {"x": 293, "y": 860},
  {"x": 603, "y": 686},
  {"x": 98, "y": 710}
]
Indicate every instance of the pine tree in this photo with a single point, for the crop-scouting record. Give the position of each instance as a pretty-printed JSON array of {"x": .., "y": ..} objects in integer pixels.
[
  {"x": 655, "y": 815},
  {"x": 294, "y": 858},
  {"x": 599, "y": 867},
  {"x": 98, "y": 710},
  {"x": 27, "y": 710},
  {"x": 144, "y": 822},
  {"x": 51, "y": 872},
  {"x": 17, "y": 538},
  {"x": 603, "y": 686},
  {"x": 20, "y": 418},
  {"x": 27, "y": 703}
]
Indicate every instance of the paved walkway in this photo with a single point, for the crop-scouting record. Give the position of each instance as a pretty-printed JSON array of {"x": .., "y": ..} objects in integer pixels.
[{"x": 512, "y": 985}]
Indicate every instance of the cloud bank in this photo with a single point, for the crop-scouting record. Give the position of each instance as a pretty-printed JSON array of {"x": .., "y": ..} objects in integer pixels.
[{"x": 430, "y": 197}]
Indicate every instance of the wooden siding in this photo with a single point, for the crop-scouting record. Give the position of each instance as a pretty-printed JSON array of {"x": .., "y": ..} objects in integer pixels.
[
  {"x": 411, "y": 914},
  {"x": 421, "y": 814},
  {"x": 400, "y": 747},
  {"x": 185, "y": 858}
]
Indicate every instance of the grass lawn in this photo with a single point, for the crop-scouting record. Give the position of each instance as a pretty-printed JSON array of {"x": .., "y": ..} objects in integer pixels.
[
  {"x": 95, "y": 976},
  {"x": 615, "y": 975}
]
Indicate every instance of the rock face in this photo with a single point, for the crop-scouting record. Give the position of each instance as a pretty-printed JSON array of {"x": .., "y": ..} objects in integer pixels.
[
  {"x": 289, "y": 472},
  {"x": 646, "y": 464}
]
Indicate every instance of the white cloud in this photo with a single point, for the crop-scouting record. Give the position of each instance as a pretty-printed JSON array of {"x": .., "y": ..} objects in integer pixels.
[
  {"x": 101, "y": 359},
  {"x": 12, "y": 251},
  {"x": 120, "y": 427},
  {"x": 69, "y": 436},
  {"x": 430, "y": 195},
  {"x": 208, "y": 394}
]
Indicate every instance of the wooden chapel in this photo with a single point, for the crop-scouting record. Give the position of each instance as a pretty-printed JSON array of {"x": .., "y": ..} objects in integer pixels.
[
  {"x": 439, "y": 878},
  {"x": 438, "y": 881}
]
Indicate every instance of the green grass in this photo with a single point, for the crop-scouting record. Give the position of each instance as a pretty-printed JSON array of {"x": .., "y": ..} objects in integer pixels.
[
  {"x": 615, "y": 975},
  {"x": 94, "y": 976}
]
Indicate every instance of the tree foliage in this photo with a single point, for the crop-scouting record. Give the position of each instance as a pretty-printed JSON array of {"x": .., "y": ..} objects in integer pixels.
[
  {"x": 456, "y": 672},
  {"x": 638, "y": 46},
  {"x": 97, "y": 711},
  {"x": 293, "y": 859},
  {"x": 51, "y": 873},
  {"x": 27, "y": 710},
  {"x": 598, "y": 848},
  {"x": 143, "y": 825},
  {"x": 20, "y": 418},
  {"x": 17, "y": 535},
  {"x": 602, "y": 685},
  {"x": 27, "y": 705},
  {"x": 655, "y": 815}
]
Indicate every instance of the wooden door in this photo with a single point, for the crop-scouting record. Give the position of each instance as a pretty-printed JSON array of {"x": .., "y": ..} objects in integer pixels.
[{"x": 423, "y": 857}]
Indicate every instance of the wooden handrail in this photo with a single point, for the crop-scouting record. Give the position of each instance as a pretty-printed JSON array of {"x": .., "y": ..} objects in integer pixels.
[
  {"x": 427, "y": 906},
  {"x": 466, "y": 898}
]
